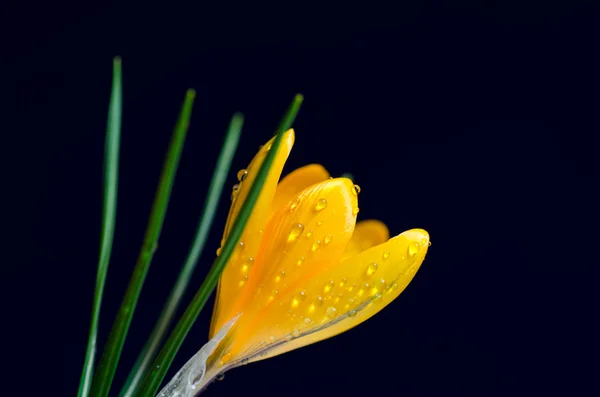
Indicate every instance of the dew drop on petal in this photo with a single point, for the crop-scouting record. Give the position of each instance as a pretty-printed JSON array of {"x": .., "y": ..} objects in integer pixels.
[
  {"x": 226, "y": 357},
  {"x": 355, "y": 211},
  {"x": 413, "y": 249},
  {"x": 315, "y": 246},
  {"x": 234, "y": 191},
  {"x": 320, "y": 205},
  {"x": 307, "y": 320},
  {"x": 219, "y": 250},
  {"x": 328, "y": 239},
  {"x": 308, "y": 234},
  {"x": 242, "y": 174},
  {"x": 318, "y": 301},
  {"x": 356, "y": 190},
  {"x": 279, "y": 276},
  {"x": 300, "y": 261},
  {"x": 352, "y": 313},
  {"x": 247, "y": 265},
  {"x": 319, "y": 223},
  {"x": 371, "y": 269},
  {"x": 298, "y": 298},
  {"x": 329, "y": 286},
  {"x": 331, "y": 311},
  {"x": 385, "y": 255},
  {"x": 295, "y": 232},
  {"x": 294, "y": 204},
  {"x": 273, "y": 295}
]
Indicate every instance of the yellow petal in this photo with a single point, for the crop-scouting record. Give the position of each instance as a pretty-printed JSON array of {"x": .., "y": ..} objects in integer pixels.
[
  {"x": 367, "y": 234},
  {"x": 237, "y": 269},
  {"x": 304, "y": 239},
  {"x": 362, "y": 286},
  {"x": 295, "y": 182}
]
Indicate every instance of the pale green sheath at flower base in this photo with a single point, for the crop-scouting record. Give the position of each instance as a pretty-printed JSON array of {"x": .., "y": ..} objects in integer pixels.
[{"x": 303, "y": 271}]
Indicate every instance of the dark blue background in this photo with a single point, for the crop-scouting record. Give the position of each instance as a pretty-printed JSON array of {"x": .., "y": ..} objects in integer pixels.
[{"x": 470, "y": 120}]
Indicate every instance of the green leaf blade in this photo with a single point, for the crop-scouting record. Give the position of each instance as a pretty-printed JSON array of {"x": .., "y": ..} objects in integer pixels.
[
  {"x": 109, "y": 214},
  {"x": 108, "y": 363},
  {"x": 210, "y": 206}
]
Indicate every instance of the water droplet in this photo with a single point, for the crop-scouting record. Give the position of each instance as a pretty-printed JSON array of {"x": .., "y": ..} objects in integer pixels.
[
  {"x": 271, "y": 338},
  {"x": 352, "y": 313},
  {"x": 315, "y": 246},
  {"x": 331, "y": 311},
  {"x": 300, "y": 261},
  {"x": 329, "y": 286},
  {"x": 320, "y": 205},
  {"x": 328, "y": 238},
  {"x": 318, "y": 301},
  {"x": 308, "y": 234},
  {"x": 220, "y": 376},
  {"x": 241, "y": 246},
  {"x": 355, "y": 211},
  {"x": 356, "y": 190},
  {"x": 385, "y": 255},
  {"x": 247, "y": 265},
  {"x": 413, "y": 249},
  {"x": 307, "y": 320},
  {"x": 273, "y": 295},
  {"x": 319, "y": 223},
  {"x": 423, "y": 241},
  {"x": 343, "y": 282},
  {"x": 279, "y": 276},
  {"x": 392, "y": 288},
  {"x": 242, "y": 174},
  {"x": 294, "y": 204},
  {"x": 364, "y": 287},
  {"x": 295, "y": 333},
  {"x": 371, "y": 269},
  {"x": 298, "y": 298},
  {"x": 219, "y": 250},
  {"x": 243, "y": 281},
  {"x": 226, "y": 357},
  {"x": 234, "y": 191},
  {"x": 295, "y": 232},
  {"x": 244, "y": 361}
]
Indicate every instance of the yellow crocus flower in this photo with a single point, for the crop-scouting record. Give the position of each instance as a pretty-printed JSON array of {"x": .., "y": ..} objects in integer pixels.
[{"x": 304, "y": 270}]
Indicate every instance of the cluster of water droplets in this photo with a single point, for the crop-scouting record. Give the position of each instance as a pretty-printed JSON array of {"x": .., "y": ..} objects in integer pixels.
[{"x": 342, "y": 296}]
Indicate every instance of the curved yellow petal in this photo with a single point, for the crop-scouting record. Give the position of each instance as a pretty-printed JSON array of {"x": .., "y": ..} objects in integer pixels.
[
  {"x": 367, "y": 234},
  {"x": 295, "y": 182},
  {"x": 232, "y": 278},
  {"x": 304, "y": 239},
  {"x": 361, "y": 287}
]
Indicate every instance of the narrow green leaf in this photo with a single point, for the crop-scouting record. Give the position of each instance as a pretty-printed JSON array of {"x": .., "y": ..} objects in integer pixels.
[
  {"x": 112, "y": 351},
  {"x": 210, "y": 207},
  {"x": 161, "y": 364},
  {"x": 109, "y": 214}
]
